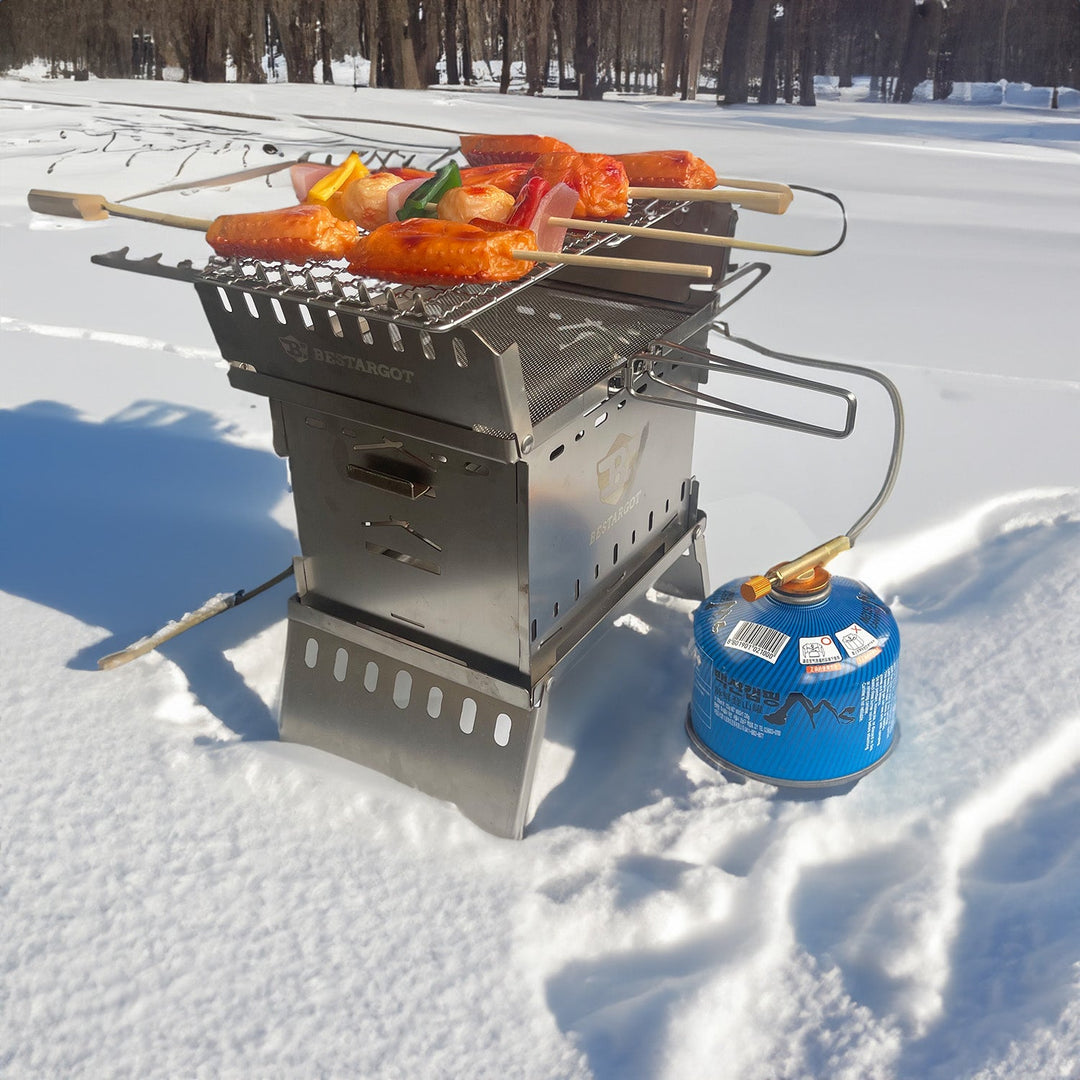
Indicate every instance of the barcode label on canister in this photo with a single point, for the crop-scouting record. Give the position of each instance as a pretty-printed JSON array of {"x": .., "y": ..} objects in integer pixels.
[{"x": 758, "y": 640}]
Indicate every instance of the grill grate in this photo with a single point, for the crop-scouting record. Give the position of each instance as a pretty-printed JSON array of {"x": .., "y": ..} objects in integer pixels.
[
  {"x": 422, "y": 307},
  {"x": 569, "y": 343}
]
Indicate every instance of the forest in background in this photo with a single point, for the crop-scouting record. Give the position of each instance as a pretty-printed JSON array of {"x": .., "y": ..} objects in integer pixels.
[{"x": 737, "y": 50}]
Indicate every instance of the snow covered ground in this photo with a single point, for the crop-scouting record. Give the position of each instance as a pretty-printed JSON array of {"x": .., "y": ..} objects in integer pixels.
[{"x": 181, "y": 894}]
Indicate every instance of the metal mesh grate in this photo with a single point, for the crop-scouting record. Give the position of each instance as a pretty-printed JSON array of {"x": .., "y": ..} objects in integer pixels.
[
  {"x": 570, "y": 342},
  {"x": 422, "y": 307}
]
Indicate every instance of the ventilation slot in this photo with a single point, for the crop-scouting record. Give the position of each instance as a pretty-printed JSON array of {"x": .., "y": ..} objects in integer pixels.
[
  {"x": 434, "y": 702},
  {"x": 503, "y": 725},
  {"x": 341, "y": 665},
  {"x": 402, "y": 689},
  {"x": 365, "y": 329},
  {"x": 311, "y": 652},
  {"x": 467, "y": 720},
  {"x": 405, "y": 560},
  {"x": 371, "y": 676}
]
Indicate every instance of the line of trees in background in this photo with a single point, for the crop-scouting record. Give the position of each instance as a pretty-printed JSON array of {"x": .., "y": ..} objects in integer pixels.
[{"x": 741, "y": 50}]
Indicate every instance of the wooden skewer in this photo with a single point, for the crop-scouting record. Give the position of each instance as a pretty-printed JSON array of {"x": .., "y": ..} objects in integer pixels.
[
  {"x": 679, "y": 237},
  {"x": 98, "y": 208},
  {"x": 603, "y": 262},
  {"x": 755, "y": 185},
  {"x": 768, "y": 202}
]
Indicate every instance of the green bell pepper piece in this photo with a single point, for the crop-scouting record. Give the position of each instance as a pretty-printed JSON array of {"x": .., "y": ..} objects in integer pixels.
[{"x": 422, "y": 202}]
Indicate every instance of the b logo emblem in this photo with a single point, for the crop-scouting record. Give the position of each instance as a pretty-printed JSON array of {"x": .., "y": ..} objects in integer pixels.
[
  {"x": 295, "y": 349},
  {"x": 616, "y": 470}
]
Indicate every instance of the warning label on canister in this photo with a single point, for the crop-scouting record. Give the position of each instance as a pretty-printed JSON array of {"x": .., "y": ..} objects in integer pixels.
[
  {"x": 856, "y": 640},
  {"x": 818, "y": 650}
]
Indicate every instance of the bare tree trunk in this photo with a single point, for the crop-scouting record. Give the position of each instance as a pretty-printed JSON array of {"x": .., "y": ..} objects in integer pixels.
[
  {"x": 807, "y": 58},
  {"x": 297, "y": 27},
  {"x": 370, "y": 24},
  {"x": 504, "y": 35},
  {"x": 924, "y": 29},
  {"x": 945, "y": 59},
  {"x": 671, "y": 47},
  {"x": 399, "y": 62},
  {"x": 586, "y": 50},
  {"x": 536, "y": 22},
  {"x": 425, "y": 38},
  {"x": 734, "y": 88},
  {"x": 1003, "y": 38},
  {"x": 324, "y": 45},
  {"x": 466, "y": 44},
  {"x": 618, "y": 46},
  {"x": 699, "y": 19},
  {"x": 774, "y": 34},
  {"x": 560, "y": 43},
  {"x": 453, "y": 73},
  {"x": 807, "y": 33},
  {"x": 844, "y": 66}
]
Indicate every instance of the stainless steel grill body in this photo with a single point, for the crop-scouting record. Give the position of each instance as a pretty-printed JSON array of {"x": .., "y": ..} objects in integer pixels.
[{"x": 477, "y": 490}]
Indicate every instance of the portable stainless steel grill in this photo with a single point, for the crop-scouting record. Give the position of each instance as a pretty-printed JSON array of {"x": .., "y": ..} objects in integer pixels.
[{"x": 483, "y": 476}]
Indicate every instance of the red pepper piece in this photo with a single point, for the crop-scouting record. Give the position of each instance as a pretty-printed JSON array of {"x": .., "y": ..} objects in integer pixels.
[{"x": 528, "y": 200}]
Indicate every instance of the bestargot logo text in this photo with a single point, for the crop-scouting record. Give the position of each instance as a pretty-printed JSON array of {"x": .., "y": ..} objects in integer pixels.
[{"x": 296, "y": 350}]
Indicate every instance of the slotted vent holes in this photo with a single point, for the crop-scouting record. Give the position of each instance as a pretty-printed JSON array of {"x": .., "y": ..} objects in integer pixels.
[
  {"x": 566, "y": 344},
  {"x": 403, "y": 696}
]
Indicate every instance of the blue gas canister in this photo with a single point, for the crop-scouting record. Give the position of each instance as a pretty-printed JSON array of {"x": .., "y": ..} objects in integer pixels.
[{"x": 799, "y": 687}]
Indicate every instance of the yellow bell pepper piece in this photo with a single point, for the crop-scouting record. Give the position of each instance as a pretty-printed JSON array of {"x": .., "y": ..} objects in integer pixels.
[{"x": 323, "y": 190}]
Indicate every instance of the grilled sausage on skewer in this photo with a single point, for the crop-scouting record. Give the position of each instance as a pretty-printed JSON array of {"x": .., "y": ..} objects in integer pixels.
[
  {"x": 499, "y": 149},
  {"x": 427, "y": 251},
  {"x": 294, "y": 234},
  {"x": 654, "y": 168},
  {"x": 667, "y": 169}
]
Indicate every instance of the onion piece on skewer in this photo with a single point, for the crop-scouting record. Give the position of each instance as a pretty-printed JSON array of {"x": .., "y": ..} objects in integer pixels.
[{"x": 537, "y": 204}]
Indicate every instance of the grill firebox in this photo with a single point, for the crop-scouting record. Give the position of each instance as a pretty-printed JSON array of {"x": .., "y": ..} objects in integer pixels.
[{"x": 483, "y": 477}]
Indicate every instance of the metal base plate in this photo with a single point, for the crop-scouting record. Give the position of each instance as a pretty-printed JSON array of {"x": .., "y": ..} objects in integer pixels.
[{"x": 411, "y": 715}]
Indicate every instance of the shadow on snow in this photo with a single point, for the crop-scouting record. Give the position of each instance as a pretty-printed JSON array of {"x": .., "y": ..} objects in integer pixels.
[{"x": 130, "y": 523}]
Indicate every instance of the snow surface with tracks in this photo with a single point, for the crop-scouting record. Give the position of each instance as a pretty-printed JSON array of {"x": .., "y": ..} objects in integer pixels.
[{"x": 181, "y": 894}]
